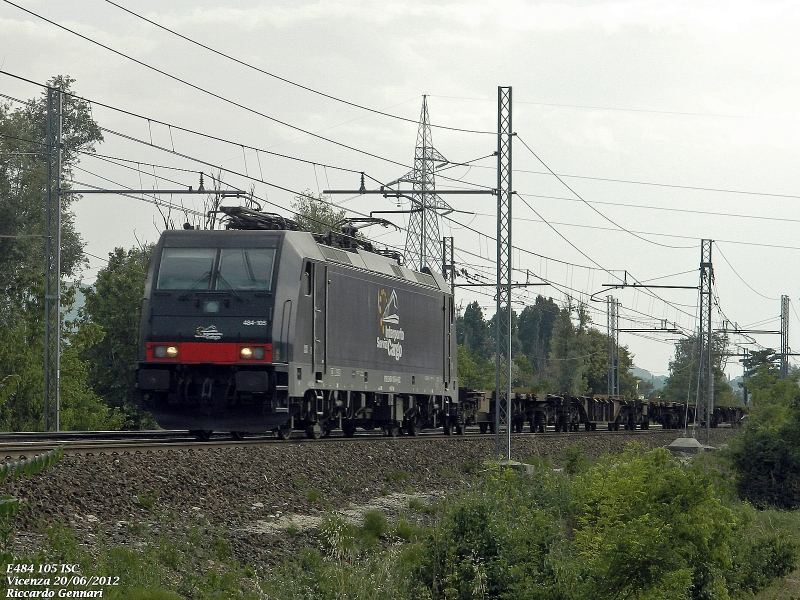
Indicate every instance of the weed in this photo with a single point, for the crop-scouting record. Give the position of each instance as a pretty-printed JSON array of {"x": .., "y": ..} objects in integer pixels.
[
  {"x": 292, "y": 529},
  {"x": 396, "y": 476},
  {"x": 375, "y": 523},
  {"x": 447, "y": 473},
  {"x": 147, "y": 500},
  {"x": 313, "y": 495},
  {"x": 405, "y": 531},
  {"x": 299, "y": 482},
  {"x": 469, "y": 466},
  {"x": 419, "y": 506},
  {"x": 574, "y": 459},
  {"x": 221, "y": 547}
]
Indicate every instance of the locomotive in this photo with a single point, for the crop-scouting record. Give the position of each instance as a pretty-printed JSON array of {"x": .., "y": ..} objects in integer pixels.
[{"x": 262, "y": 326}]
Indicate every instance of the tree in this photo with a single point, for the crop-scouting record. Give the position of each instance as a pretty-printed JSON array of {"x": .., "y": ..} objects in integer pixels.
[
  {"x": 472, "y": 331},
  {"x": 569, "y": 349},
  {"x": 317, "y": 214},
  {"x": 682, "y": 384},
  {"x": 114, "y": 305},
  {"x": 535, "y": 330},
  {"x": 646, "y": 388},
  {"x": 23, "y": 183},
  {"x": 474, "y": 371},
  {"x": 767, "y": 454}
]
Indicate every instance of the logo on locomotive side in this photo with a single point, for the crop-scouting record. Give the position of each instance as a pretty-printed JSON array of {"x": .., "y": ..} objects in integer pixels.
[
  {"x": 208, "y": 333},
  {"x": 388, "y": 317}
]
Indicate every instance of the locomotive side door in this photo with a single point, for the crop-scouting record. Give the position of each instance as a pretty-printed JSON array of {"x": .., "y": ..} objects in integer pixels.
[
  {"x": 448, "y": 348},
  {"x": 320, "y": 319}
]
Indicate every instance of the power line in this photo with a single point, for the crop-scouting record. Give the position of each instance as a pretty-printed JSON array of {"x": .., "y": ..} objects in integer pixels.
[
  {"x": 178, "y": 127},
  {"x": 589, "y": 204},
  {"x": 722, "y": 254},
  {"x": 671, "y": 209},
  {"x": 673, "y": 235},
  {"x": 655, "y": 184},
  {"x": 171, "y": 126},
  {"x": 203, "y": 90},
  {"x": 283, "y": 79},
  {"x": 611, "y": 108},
  {"x": 181, "y": 155}
]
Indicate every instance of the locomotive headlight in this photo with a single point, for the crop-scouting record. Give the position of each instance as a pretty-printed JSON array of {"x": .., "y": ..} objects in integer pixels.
[
  {"x": 165, "y": 351},
  {"x": 251, "y": 353}
]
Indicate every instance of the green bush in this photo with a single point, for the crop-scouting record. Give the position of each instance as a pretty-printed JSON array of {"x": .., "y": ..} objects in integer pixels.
[{"x": 375, "y": 524}]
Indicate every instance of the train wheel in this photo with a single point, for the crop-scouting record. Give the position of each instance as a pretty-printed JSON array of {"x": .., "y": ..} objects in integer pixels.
[
  {"x": 285, "y": 431},
  {"x": 314, "y": 431},
  {"x": 237, "y": 435},
  {"x": 348, "y": 429},
  {"x": 484, "y": 427},
  {"x": 393, "y": 430},
  {"x": 448, "y": 428},
  {"x": 461, "y": 429},
  {"x": 201, "y": 435},
  {"x": 414, "y": 426}
]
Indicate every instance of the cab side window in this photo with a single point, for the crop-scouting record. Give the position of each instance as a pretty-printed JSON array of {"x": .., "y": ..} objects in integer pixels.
[{"x": 308, "y": 279}]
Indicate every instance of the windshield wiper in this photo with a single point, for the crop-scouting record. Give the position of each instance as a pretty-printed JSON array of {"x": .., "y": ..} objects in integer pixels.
[
  {"x": 204, "y": 277},
  {"x": 230, "y": 287}
]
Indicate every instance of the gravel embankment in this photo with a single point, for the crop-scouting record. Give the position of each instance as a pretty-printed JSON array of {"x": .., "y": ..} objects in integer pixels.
[{"x": 250, "y": 492}]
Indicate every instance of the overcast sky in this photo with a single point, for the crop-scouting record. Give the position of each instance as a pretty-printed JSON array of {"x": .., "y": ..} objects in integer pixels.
[{"x": 672, "y": 121}]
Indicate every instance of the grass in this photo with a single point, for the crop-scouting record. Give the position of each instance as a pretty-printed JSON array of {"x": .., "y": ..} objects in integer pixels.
[
  {"x": 396, "y": 476},
  {"x": 787, "y": 523},
  {"x": 195, "y": 562},
  {"x": 147, "y": 500}
]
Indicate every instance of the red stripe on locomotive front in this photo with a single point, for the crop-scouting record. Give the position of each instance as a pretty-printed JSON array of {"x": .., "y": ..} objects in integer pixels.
[{"x": 192, "y": 353}]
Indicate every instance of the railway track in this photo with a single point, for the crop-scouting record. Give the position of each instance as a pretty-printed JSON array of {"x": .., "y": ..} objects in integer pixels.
[{"x": 14, "y": 445}]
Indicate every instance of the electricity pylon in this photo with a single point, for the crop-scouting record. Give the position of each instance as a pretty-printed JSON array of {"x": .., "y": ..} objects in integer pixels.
[{"x": 423, "y": 244}]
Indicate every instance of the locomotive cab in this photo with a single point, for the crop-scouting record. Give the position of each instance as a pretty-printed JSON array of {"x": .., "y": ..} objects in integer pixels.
[{"x": 206, "y": 351}]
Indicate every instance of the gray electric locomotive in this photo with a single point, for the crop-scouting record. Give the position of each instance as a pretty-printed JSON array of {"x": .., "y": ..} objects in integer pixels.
[{"x": 248, "y": 331}]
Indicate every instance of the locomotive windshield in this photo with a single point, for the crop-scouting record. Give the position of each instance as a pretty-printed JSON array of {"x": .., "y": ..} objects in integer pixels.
[{"x": 237, "y": 269}]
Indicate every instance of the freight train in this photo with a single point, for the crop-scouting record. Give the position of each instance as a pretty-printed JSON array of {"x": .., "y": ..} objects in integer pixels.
[{"x": 265, "y": 327}]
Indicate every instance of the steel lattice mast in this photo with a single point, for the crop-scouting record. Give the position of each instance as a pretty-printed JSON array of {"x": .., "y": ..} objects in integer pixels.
[
  {"x": 503, "y": 314},
  {"x": 784, "y": 337},
  {"x": 612, "y": 305},
  {"x": 705, "y": 388},
  {"x": 424, "y": 243}
]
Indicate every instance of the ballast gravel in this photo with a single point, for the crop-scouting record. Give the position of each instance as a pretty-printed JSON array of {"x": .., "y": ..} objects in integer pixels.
[{"x": 255, "y": 494}]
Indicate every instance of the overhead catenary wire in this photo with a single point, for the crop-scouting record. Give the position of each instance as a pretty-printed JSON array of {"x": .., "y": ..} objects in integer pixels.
[
  {"x": 577, "y": 195},
  {"x": 151, "y": 120},
  {"x": 755, "y": 291}
]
